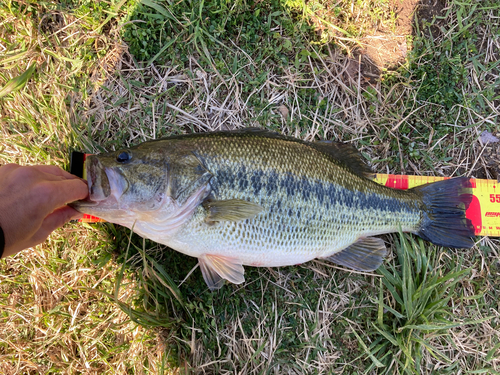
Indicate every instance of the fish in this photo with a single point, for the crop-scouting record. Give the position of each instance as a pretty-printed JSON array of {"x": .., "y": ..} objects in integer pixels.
[{"x": 253, "y": 197}]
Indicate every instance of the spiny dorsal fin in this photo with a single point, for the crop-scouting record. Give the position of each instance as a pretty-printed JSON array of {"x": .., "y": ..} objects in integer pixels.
[
  {"x": 231, "y": 210},
  {"x": 347, "y": 154},
  {"x": 366, "y": 254},
  {"x": 344, "y": 152},
  {"x": 217, "y": 268},
  {"x": 256, "y": 130}
]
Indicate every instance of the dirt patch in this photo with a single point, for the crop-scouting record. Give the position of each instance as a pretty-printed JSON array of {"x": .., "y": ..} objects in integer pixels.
[
  {"x": 427, "y": 12},
  {"x": 405, "y": 11},
  {"x": 361, "y": 67},
  {"x": 386, "y": 47}
]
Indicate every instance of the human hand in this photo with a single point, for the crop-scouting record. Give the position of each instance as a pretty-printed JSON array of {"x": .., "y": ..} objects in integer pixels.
[{"x": 33, "y": 203}]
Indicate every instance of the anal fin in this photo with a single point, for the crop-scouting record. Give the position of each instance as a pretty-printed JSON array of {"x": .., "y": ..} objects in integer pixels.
[
  {"x": 217, "y": 268},
  {"x": 366, "y": 254}
]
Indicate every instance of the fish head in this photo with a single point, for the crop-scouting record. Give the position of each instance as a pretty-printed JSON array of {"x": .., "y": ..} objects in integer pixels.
[{"x": 125, "y": 182}]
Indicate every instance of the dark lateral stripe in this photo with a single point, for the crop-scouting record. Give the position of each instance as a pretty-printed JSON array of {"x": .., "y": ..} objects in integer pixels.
[{"x": 293, "y": 187}]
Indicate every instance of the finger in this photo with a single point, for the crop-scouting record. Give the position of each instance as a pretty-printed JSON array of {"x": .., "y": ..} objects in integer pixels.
[
  {"x": 31, "y": 175},
  {"x": 59, "y": 193},
  {"x": 9, "y": 167},
  {"x": 56, "y": 171},
  {"x": 53, "y": 221}
]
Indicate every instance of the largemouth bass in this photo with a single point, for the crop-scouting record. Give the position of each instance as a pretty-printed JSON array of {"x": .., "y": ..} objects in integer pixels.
[{"x": 256, "y": 198}]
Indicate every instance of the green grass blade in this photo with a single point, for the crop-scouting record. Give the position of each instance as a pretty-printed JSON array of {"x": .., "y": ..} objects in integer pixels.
[
  {"x": 491, "y": 352},
  {"x": 17, "y": 83},
  {"x": 160, "y": 9},
  {"x": 13, "y": 57},
  {"x": 387, "y": 335},
  {"x": 375, "y": 361},
  {"x": 167, "y": 281}
]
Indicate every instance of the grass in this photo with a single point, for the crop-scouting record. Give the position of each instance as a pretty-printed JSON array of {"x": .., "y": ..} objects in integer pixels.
[
  {"x": 417, "y": 312},
  {"x": 95, "y": 299}
]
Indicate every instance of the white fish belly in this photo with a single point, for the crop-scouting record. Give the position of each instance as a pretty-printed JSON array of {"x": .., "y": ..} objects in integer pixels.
[{"x": 251, "y": 244}]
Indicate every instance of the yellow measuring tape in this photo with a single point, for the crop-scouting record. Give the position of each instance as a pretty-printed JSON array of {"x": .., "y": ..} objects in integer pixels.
[{"x": 483, "y": 211}]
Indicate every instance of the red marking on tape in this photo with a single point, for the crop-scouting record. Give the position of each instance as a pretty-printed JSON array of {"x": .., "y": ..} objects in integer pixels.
[
  {"x": 473, "y": 213},
  {"x": 90, "y": 219},
  {"x": 397, "y": 182}
]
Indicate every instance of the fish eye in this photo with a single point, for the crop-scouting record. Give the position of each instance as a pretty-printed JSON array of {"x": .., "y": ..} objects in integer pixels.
[{"x": 123, "y": 157}]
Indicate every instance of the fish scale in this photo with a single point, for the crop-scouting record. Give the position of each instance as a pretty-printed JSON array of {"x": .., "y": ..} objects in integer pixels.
[
  {"x": 260, "y": 199},
  {"x": 317, "y": 216}
]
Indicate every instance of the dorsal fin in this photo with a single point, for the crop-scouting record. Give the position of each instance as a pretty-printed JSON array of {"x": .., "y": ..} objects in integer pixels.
[
  {"x": 347, "y": 154},
  {"x": 343, "y": 152},
  {"x": 256, "y": 130}
]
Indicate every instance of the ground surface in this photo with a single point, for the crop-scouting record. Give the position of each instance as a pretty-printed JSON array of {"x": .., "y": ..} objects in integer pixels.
[{"x": 414, "y": 96}]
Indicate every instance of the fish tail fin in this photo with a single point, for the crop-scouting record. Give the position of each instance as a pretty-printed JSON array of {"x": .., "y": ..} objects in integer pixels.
[{"x": 444, "y": 222}]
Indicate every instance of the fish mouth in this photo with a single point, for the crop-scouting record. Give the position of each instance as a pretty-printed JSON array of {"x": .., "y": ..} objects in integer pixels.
[
  {"x": 98, "y": 181},
  {"x": 106, "y": 185}
]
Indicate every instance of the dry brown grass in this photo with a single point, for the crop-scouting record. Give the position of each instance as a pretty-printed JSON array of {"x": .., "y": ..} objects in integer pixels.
[{"x": 54, "y": 317}]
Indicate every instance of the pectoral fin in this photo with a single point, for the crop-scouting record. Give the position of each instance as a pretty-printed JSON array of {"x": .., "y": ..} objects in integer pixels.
[
  {"x": 231, "y": 210},
  {"x": 366, "y": 254},
  {"x": 216, "y": 268}
]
